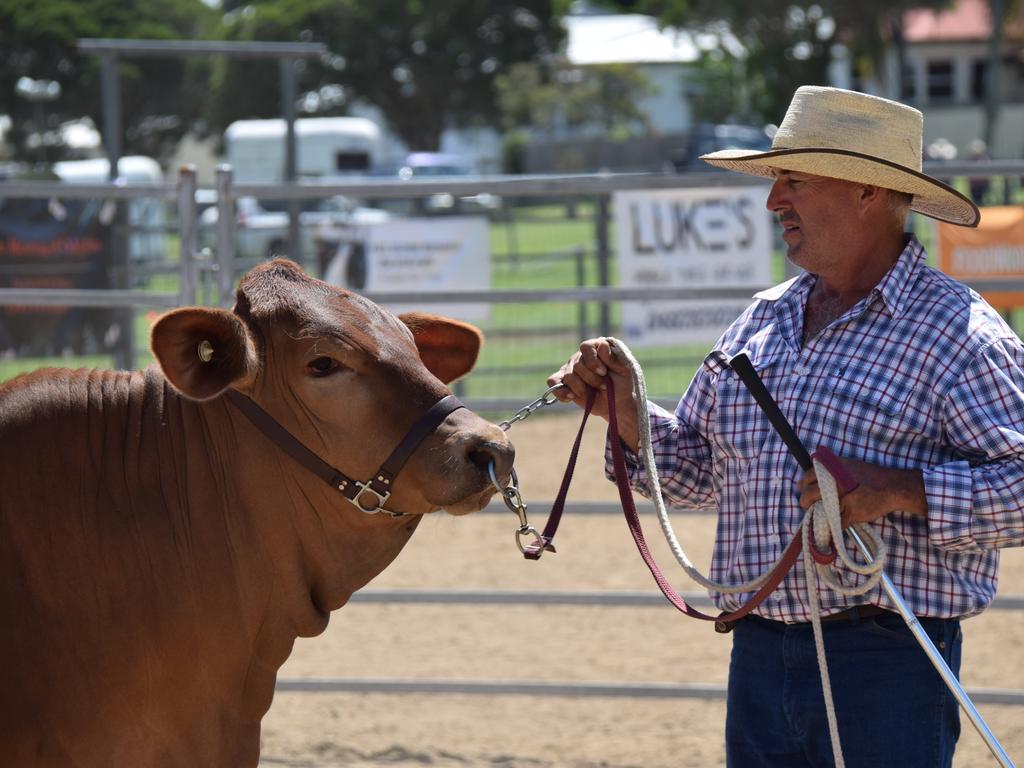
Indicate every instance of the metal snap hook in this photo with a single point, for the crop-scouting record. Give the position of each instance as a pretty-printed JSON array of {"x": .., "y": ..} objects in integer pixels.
[
  {"x": 510, "y": 495},
  {"x": 548, "y": 398},
  {"x": 536, "y": 548},
  {"x": 514, "y": 501}
]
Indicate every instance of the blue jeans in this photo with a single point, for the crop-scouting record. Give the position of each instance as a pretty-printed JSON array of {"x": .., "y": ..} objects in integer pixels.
[{"x": 892, "y": 707}]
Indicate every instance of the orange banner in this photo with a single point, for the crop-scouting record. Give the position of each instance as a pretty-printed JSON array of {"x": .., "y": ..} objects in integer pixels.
[{"x": 993, "y": 251}]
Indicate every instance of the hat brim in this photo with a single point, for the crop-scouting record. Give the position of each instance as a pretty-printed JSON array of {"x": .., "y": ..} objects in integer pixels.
[{"x": 931, "y": 197}]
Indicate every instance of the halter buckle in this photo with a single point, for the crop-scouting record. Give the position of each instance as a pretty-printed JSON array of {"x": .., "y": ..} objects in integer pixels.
[{"x": 381, "y": 498}]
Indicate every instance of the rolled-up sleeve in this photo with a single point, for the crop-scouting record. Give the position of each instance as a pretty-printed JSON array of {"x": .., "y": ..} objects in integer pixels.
[{"x": 978, "y": 503}]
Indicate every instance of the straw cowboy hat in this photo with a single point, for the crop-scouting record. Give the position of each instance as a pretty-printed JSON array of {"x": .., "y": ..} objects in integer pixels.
[{"x": 853, "y": 136}]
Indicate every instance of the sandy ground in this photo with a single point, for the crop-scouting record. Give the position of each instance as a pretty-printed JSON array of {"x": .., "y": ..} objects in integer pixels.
[{"x": 512, "y": 642}]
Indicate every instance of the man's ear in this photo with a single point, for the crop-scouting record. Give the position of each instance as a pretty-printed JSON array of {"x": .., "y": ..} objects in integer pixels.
[
  {"x": 448, "y": 348},
  {"x": 873, "y": 196},
  {"x": 203, "y": 351}
]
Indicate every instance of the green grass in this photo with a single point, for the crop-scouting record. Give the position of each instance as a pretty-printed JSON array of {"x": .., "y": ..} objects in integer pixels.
[
  {"x": 11, "y": 368},
  {"x": 541, "y": 230}
]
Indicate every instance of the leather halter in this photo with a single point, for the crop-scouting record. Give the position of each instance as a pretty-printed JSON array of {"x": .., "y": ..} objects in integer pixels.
[{"x": 379, "y": 488}]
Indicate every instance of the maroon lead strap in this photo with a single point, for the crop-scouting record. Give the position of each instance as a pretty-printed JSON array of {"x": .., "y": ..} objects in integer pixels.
[
  {"x": 535, "y": 550},
  {"x": 723, "y": 621}
]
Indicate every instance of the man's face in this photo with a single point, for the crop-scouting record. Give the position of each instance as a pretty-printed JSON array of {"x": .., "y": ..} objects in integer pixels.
[{"x": 817, "y": 217}]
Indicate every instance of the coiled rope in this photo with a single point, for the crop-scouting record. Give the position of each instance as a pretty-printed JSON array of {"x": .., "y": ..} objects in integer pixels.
[{"x": 822, "y": 523}]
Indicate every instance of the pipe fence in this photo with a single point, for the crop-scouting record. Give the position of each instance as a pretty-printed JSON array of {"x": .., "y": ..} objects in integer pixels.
[
  {"x": 563, "y": 599},
  {"x": 554, "y": 275},
  {"x": 208, "y": 274}
]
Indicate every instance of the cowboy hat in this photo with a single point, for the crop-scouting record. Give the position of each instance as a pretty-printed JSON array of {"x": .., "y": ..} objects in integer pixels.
[{"x": 856, "y": 137}]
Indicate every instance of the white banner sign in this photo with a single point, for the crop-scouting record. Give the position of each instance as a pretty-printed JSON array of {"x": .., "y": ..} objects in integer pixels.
[
  {"x": 428, "y": 255},
  {"x": 690, "y": 238}
]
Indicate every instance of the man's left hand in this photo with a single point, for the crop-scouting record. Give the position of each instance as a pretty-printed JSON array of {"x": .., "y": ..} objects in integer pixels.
[{"x": 879, "y": 491}]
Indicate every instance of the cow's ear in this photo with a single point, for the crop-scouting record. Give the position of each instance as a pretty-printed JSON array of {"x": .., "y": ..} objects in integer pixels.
[
  {"x": 447, "y": 347},
  {"x": 203, "y": 351}
]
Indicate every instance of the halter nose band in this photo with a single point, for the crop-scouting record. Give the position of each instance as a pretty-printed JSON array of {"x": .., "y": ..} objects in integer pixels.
[{"x": 379, "y": 487}]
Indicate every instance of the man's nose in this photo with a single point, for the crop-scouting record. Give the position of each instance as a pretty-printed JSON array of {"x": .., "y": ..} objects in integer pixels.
[{"x": 777, "y": 200}]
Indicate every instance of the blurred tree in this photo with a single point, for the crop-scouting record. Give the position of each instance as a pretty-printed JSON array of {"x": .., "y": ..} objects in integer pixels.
[
  {"x": 786, "y": 44},
  {"x": 424, "y": 65},
  {"x": 162, "y": 98},
  {"x": 535, "y": 95},
  {"x": 608, "y": 96}
]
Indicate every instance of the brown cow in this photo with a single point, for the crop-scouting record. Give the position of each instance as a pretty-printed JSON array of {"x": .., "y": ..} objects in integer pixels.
[{"x": 159, "y": 554}]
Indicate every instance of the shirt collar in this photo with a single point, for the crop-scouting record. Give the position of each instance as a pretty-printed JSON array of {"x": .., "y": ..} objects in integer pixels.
[
  {"x": 791, "y": 296},
  {"x": 898, "y": 281}
]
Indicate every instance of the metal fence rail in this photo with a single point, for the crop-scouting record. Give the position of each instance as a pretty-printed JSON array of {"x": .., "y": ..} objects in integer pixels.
[
  {"x": 576, "y": 689},
  {"x": 618, "y": 599},
  {"x": 556, "y": 598},
  {"x": 646, "y": 690},
  {"x": 215, "y": 272},
  {"x": 91, "y": 297}
]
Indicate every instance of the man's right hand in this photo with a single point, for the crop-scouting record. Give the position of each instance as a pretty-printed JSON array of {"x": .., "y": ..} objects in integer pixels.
[{"x": 591, "y": 366}]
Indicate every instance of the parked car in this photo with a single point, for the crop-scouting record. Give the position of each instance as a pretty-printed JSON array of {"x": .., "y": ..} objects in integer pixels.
[
  {"x": 261, "y": 229},
  {"x": 422, "y": 166},
  {"x": 147, "y": 216},
  {"x": 708, "y": 137}
]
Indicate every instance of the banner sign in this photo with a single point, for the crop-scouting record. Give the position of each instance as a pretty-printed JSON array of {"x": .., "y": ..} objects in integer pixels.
[
  {"x": 690, "y": 238},
  {"x": 992, "y": 251},
  {"x": 51, "y": 244},
  {"x": 426, "y": 255}
]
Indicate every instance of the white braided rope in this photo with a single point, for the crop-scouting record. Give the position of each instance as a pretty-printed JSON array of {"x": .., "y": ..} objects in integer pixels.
[
  {"x": 823, "y": 518},
  {"x": 827, "y": 511},
  {"x": 654, "y": 484}
]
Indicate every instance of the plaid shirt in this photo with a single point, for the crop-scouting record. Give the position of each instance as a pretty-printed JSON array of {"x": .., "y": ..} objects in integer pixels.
[{"x": 921, "y": 373}]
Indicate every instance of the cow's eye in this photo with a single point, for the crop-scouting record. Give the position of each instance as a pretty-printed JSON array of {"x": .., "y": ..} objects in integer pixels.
[{"x": 323, "y": 366}]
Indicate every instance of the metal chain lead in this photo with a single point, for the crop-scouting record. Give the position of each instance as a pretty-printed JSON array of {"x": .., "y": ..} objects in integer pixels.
[
  {"x": 510, "y": 494},
  {"x": 548, "y": 398},
  {"x": 514, "y": 501}
]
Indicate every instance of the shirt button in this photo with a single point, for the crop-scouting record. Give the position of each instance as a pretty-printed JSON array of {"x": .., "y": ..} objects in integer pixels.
[{"x": 802, "y": 369}]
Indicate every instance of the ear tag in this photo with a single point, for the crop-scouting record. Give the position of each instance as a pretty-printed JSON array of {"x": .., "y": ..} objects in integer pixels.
[{"x": 205, "y": 351}]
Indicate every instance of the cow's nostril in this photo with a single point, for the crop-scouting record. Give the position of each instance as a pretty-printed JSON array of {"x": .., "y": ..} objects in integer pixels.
[{"x": 487, "y": 452}]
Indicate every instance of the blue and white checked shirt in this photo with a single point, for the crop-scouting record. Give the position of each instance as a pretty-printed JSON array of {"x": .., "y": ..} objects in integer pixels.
[{"x": 922, "y": 373}]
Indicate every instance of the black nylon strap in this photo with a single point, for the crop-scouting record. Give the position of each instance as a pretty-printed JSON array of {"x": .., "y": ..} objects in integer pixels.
[
  {"x": 427, "y": 423},
  {"x": 748, "y": 375},
  {"x": 285, "y": 440}
]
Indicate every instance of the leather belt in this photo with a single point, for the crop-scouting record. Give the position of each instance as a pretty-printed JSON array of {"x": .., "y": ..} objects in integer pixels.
[
  {"x": 850, "y": 615},
  {"x": 856, "y": 613}
]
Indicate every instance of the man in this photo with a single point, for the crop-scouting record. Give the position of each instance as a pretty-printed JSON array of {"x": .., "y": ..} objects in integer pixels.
[{"x": 907, "y": 375}]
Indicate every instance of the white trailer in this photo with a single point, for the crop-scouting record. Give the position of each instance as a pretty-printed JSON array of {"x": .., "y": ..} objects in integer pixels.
[
  {"x": 147, "y": 216},
  {"x": 325, "y": 147}
]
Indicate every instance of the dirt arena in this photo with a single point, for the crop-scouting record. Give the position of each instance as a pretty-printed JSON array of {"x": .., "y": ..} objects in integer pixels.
[{"x": 554, "y": 643}]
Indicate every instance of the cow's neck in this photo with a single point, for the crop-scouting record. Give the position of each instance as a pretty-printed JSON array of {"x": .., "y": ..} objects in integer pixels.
[
  {"x": 298, "y": 549},
  {"x": 194, "y": 553},
  {"x": 224, "y": 549}
]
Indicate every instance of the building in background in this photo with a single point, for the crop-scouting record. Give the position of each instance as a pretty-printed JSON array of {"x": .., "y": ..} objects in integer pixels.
[
  {"x": 666, "y": 57},
  {"x": 945, "y": 75}
]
